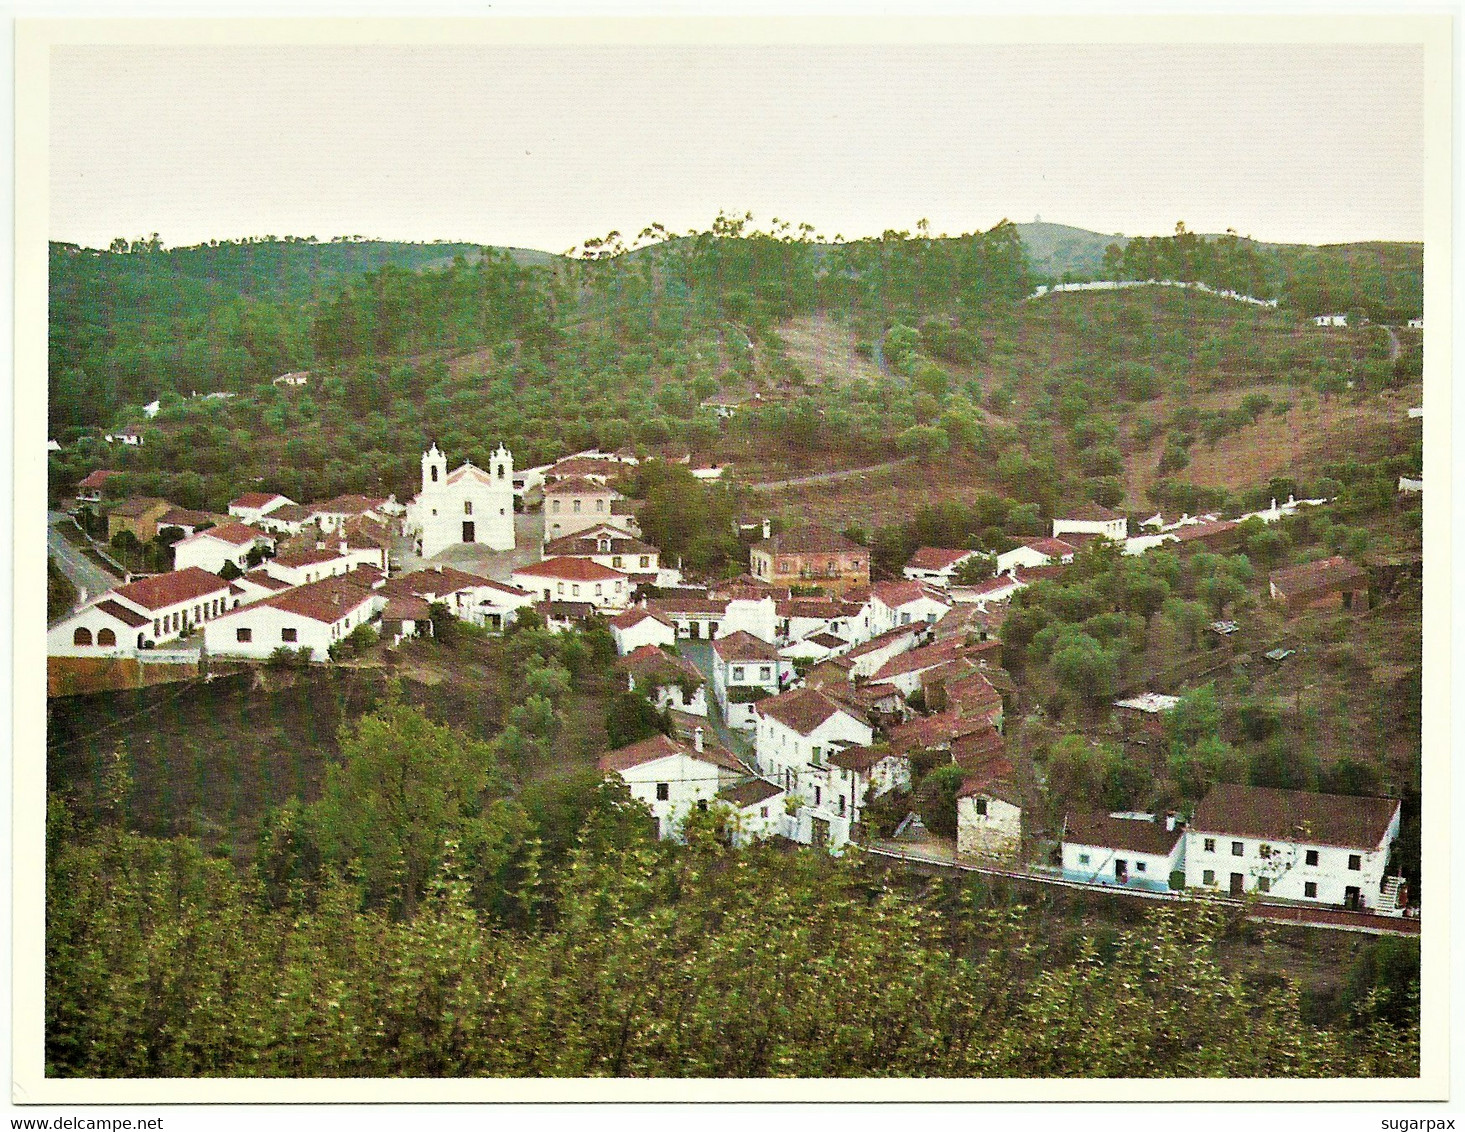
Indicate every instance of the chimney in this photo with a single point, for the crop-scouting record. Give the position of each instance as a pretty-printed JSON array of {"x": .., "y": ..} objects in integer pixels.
[
  {"x": 1274, "y": 503},
  {"x": 697, "y": 740},
  {"x": 767, "y": 529},
  {"x": 343, "y": 546}
]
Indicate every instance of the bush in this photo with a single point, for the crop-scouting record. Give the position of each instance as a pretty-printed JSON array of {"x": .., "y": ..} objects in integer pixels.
[{"x": 936, "y": 799}]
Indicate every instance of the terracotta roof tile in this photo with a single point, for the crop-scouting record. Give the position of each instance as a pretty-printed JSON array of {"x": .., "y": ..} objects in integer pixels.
[
  {"x": 255, "y": 499},
  {"x": 163, "y": 590},
  {"x": 1295, "y": 815},
  {"x": 122, "y": 613},
  {"x": 754, "y": 792},
  {"x": 1130, "y": 834},
  {"x": 937, "y": 558},
  {"x": 743, "y": 646},
  {"x": 660, "y": 747},
  {"x": 801, "y": 710},
  {"x": 571, "y": 570},
  {"x": 808, "y": 540}
]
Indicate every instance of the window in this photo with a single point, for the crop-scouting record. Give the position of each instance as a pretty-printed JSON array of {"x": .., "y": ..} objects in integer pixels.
[
  {"x": 905, "y": 618},
  {"x": 818, "y": 795},
  {"x": 855, "y": 564},
  {"x": 576, "y": 506},
  {"x": 737, "y": 672},
  {"x": 1355, "y": 862},
  {"x": 434, "y": 475},
  {"x": 287, "y": 634},
  {"x": 663, "y": 791},
  {"x": 574, "y": 590},
  {"x": 467, "y": 507},
  {"x": 157, "y": 627},
  {"x": 559, "y": 587},
  {"x": 645, "y": 561},
  {"x": 82, "y": 636},
  {"x": 702, "y": 804},
  {"x": 762, "y": 811},
  {"x": 599, "y": 589},
  {"x": 1208, "y": 877},
  {"x": 1083, "y": 858},
  {"x": 244, "y": 634},
  {"x": 554, "y": 506},
  {"x": 616, "y": 562},
  {"x": 1238, "y": 849},
  {"x": 1210, "y": 844},
  {"x": 600, "y": 506},
  {"x": 501, "y": 471},
  {"x": 982, "y": 809},
  {"x": 1264, "y": 884},
  {"x": 841, "y": 805},
  {"x": 765, "y": 673},
  {"x": 1310, "y": 889},
  {"x": 1312, "y": 857}
]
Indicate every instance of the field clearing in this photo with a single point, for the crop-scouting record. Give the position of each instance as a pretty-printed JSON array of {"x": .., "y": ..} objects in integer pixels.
[
  {"x": 824, "y": 348},
  {"x": 883, "y": 497},
  {"x": 1313, "y": 432}
]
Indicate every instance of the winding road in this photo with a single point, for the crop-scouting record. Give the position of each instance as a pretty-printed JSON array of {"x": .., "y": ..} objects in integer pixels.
[{"x": 827, "y": 477}]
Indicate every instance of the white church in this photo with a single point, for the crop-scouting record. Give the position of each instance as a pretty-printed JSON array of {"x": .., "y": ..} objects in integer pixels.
[{"x": 469, "y": 504}]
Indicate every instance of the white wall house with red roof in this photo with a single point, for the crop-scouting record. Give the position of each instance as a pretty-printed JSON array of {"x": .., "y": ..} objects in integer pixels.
[
  {"x": 468, "y": 505},
  {"x": 671, "y": 777},
  {"x": 211, "y": 549},
  {"x": 576, "y": 504},
  {"x": 936, "y": 565},
  {"x": 757, "y": 616},
  {"x": 797, "y": 734},
  {"x": 745, "y": 667},
  {"x": 639, "y": 626},
  {"x": 313, "y": 617},
  {"x": 1092, "y": 519},
  {"x": 893, "y": 604},
  {"x": 142, "y": 614},
  {"x": 252, "y": 504},
  {"x": 1035, "y": 552},
  {"x": 301, "y": 567},
  {"x": 575, "y": 579}
]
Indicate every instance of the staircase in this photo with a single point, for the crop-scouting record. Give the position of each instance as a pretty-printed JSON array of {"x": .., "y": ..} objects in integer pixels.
[{"x": 1389, "y": 895}]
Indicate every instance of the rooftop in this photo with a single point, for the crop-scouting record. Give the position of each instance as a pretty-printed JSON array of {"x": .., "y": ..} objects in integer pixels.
[
  {"x": 807, "y": 540},
  {"x": 256, "y": 499},
  {"x": 1295, "y": 815},
  {"x": 571, "y": 570},
  {"x": 661, "y": 747},
  {"x": 1311, "y": 577},
  {"x": 1109, "y": 832},
  {"x": 743, "y": 646},
  {"x": 800, "y": 710},
  {"x": 753, "y": 792},
  {"x": 937, "y": 558}
]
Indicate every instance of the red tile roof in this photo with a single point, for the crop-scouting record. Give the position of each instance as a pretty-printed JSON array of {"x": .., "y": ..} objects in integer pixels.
[
  {"x": 1091, "y": 513},
  {"x": 255, "y": 499},
  {"x": 933, "y": 731},
  {"x": 1053, "y": 547},
  {"x": 801, "y": 710},
  {"x": 97, "y": 478},
  {"x": 754, "y": 792},
  {"x": 290, "y": 513},
  {"x": 1295, "y": 815},
  {"x": 1317, "y": 577},
  {"x": 583, "y": 545},
  {"x": 635, "y": 616},
  {"x": 1130, "y": 834},
  {"x": 327, "y": 600},
  {"x": 928, "y": 656},
  {"x": 889, "y": 637},
  {"x": 977, "y": 751},
  {"x": 122, "y": 613},
  {"x": 577, "y": 485},
  {"x": 807, "y": 540},
  {"x": 660, "y": 747},
  {"x": 163, "y": 590},
  {"x": 860, "y": 758},
  {"x": 896, "y": 594},
  {"x": 937, "y": 558},
  {"x": 648, "y": 660},
  {"x": 235, "y": 534},
  {"x": 571, "y": 570},
  {"x": 743, "y": 646},
  {"x": 260, "y": 578},
  {"x": 296, "y": 558},
  {"x": 182, "y": 517},
  {"x": 406, "y": 609},
  {"x": 347, "y": 505},
  {"x": 1193, "y": 531}
]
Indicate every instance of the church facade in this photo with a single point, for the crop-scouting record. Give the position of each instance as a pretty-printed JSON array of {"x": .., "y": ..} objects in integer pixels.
[{"x": 468, "y": 505}]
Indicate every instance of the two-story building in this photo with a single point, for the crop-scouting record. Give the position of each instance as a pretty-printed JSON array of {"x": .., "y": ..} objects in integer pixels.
[
  {"x": 577, "y": 503},
  {"x": 672, "y": 778},
  {"x": 810, "y": 556},
  {"x": 1295, "y": 845},
  {"x": 796, "y": 737},
  {"x": 216, "y": 547},
  {"x": 893, "y": 604},
  {"x": 612, "y": 548},
  {"x": 744, "y": 670},
  {"x": 137, "y": 516},
  {"x": 300, "y": 567}
]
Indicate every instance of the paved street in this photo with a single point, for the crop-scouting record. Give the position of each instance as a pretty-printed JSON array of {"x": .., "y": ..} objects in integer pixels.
[
  {"x": 738, "y": 742},
  {"x": 89, "y": 578}
]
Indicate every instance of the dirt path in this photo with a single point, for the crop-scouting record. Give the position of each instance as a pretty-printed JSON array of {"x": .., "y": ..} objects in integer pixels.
[{"x": 829, "y": 477}]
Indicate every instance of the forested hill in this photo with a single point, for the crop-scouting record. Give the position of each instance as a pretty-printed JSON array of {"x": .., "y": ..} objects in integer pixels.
[{"x": 139, "y": 322}]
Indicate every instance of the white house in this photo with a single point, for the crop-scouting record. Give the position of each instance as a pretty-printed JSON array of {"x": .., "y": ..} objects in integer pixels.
[
  {"x": 300, "y": 567},
  {"x": 894, "y": 604},
  {"x": 876, "y": 770},
  {"x": 468, "y": 505},
  {"x": 313, "y": 616},
  {"x": 575, "y": 579},
  {"x": 211, "y": 549},
  {"x": 758, "y": 809},
  {"x": 1416, "y": 323},
  {"x": 1092, "y": 519},
  {"x": 797, "y": 735},
  {"x": 640, "y": 626},
  {"x": 142, "y": 614},
  {"x": 131, "y": 436},
  {"x": 669, "y": 681},
  {"x": 332, "y": 514},
  {"x": 1411, "y": 485},
  {"x": 815, "y": 647},
  {"x": 1035, "y": 552},
  {"x": 254, "y": 585},
  {"x": 1137, "y": 850},
  {"x": 1294, "y": 845},
  {"x": 990, "y": 592},
  {"x": 469, "y": 597},
  {"x": 252, "y": 505},
  {"x": 673, "y": 778},
  {"x": 868, "y": 657},
  {"x": 293, "y": 380},
  {"x": 757, "y": 616},
  {"x": 1330, "y": 320},
  {"x": 935, "y": 565},
  {"x": 904, "y": 670},
  {"x": 151, "y": 409},
  {"x": 800, "y": 617},
  {"x": 695, "y": 615},
  {"x": 744, "y": 669}
]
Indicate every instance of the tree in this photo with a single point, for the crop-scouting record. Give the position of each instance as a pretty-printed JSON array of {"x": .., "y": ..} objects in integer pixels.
[
  {"x": 1086, "y": 669},
  {"x": 631, "y": 717},
  {"x": 975, "y": 570},
  {"x": 936, "y": 799},
  {"x": 404, "y": 786}
]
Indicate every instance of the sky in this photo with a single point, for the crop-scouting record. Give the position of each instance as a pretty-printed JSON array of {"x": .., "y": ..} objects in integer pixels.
[{"x": 545, "y": 146}]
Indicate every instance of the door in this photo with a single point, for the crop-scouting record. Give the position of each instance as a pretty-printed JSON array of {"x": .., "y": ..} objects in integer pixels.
[
  {"x": 1237, "y": 884},
  {"x": 1352, "y": 897},
  {"x": 1121, "y": 871},
  {"x": 467, "y": 531},
  {"x": 818, "y": 832}
]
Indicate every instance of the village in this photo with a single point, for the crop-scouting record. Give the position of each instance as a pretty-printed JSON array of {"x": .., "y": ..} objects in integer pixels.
[{"x": 804, "y": 698}]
